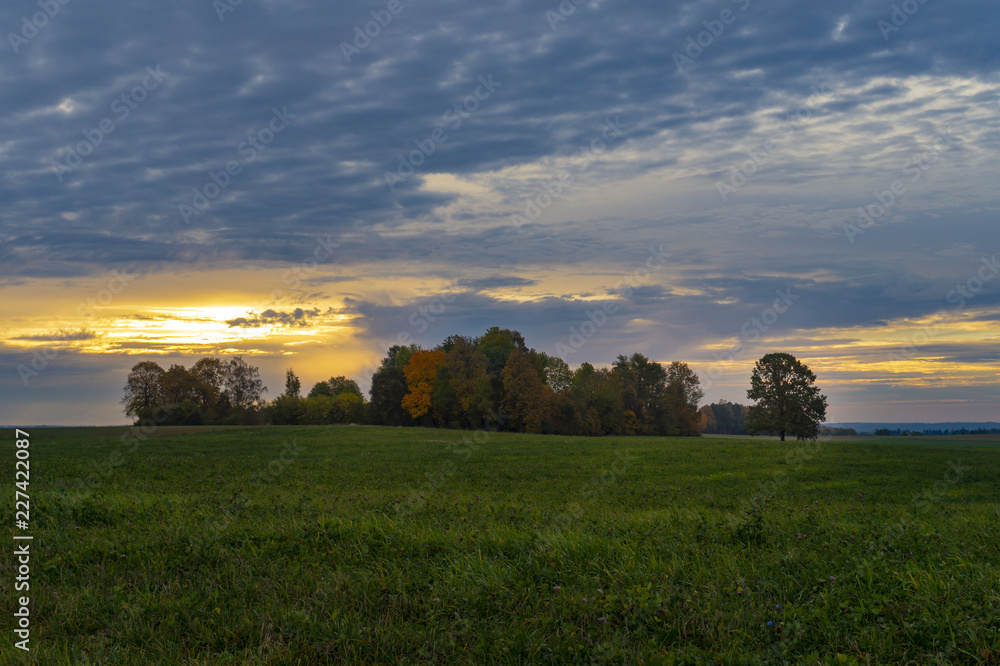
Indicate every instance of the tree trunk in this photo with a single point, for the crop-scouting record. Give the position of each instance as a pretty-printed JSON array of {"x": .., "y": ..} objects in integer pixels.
[{"x": 782, "y": 435}]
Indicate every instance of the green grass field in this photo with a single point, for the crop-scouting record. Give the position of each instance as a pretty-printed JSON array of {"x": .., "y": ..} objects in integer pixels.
[{"x": 364, "y": 545}]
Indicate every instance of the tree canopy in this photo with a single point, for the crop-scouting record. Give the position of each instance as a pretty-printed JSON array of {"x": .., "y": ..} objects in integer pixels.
[
  {"x": 212, "y": 391},
  {"x": 144, "y": 390},
  {"x": 787, "y": 400},
  {"x": 494, "y": 381}
]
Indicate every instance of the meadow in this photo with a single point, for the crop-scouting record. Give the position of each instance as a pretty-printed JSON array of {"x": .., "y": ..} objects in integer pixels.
[{"x": 369, "y": 545}]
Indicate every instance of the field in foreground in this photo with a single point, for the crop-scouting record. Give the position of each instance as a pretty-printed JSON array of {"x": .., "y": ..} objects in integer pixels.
[{"x": 315, "y": 545}]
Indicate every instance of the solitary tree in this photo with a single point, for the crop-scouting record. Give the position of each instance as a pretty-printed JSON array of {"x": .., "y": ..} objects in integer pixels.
[{"x": 787, "y": 399}]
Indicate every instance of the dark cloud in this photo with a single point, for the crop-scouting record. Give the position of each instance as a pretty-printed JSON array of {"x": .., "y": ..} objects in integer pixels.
[
  {"x": 296, "y": 318},
  {"x": 324, "y": 172},
  {"x": 60, "y": 336},
  {"x": 500, "y": 281}
]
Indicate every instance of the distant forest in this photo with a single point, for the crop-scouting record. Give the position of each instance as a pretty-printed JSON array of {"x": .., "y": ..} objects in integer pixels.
[
  {"x": 724, "y": 418},
  {"x": 904, "y": 432},
  {"x": 494, "y": 381},
  {"x": 728, "y": 418}
]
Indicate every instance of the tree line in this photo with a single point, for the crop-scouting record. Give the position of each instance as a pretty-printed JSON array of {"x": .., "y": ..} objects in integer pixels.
[
  {"x": 493, "y": 381},
  {"x": 883, "y": 432},
  {"x": 724, "y": 418},
  {"x": 496, "y": 381}
]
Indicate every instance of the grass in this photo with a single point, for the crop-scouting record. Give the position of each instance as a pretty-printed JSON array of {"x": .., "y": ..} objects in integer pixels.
[{"x": 366, "y": 545}]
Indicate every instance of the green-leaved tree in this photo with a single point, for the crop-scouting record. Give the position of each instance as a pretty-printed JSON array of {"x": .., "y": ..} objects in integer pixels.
[{"x": 788, "y": 401}]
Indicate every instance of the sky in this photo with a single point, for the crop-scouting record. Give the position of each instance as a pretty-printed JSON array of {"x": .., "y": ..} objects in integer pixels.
[{"x": 308, "y": 183}]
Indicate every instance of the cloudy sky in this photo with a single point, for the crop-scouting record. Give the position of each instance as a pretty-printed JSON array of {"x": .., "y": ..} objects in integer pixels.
[{"x": 306, "y": 182}]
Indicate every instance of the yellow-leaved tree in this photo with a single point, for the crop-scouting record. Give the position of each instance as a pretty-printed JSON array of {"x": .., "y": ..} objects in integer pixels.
[{"x": 420, "y": 371}]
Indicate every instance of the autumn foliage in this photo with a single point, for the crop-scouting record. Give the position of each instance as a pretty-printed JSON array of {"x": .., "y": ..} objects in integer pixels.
[
  {"x": 421, "y": 371},
  {"x": 496, "y": 381}
]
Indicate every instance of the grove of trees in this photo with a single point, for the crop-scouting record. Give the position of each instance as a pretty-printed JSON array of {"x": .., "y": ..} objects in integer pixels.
[
  {"x": 494, "y": 381},
  {"x": 213, "y": 391}
]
